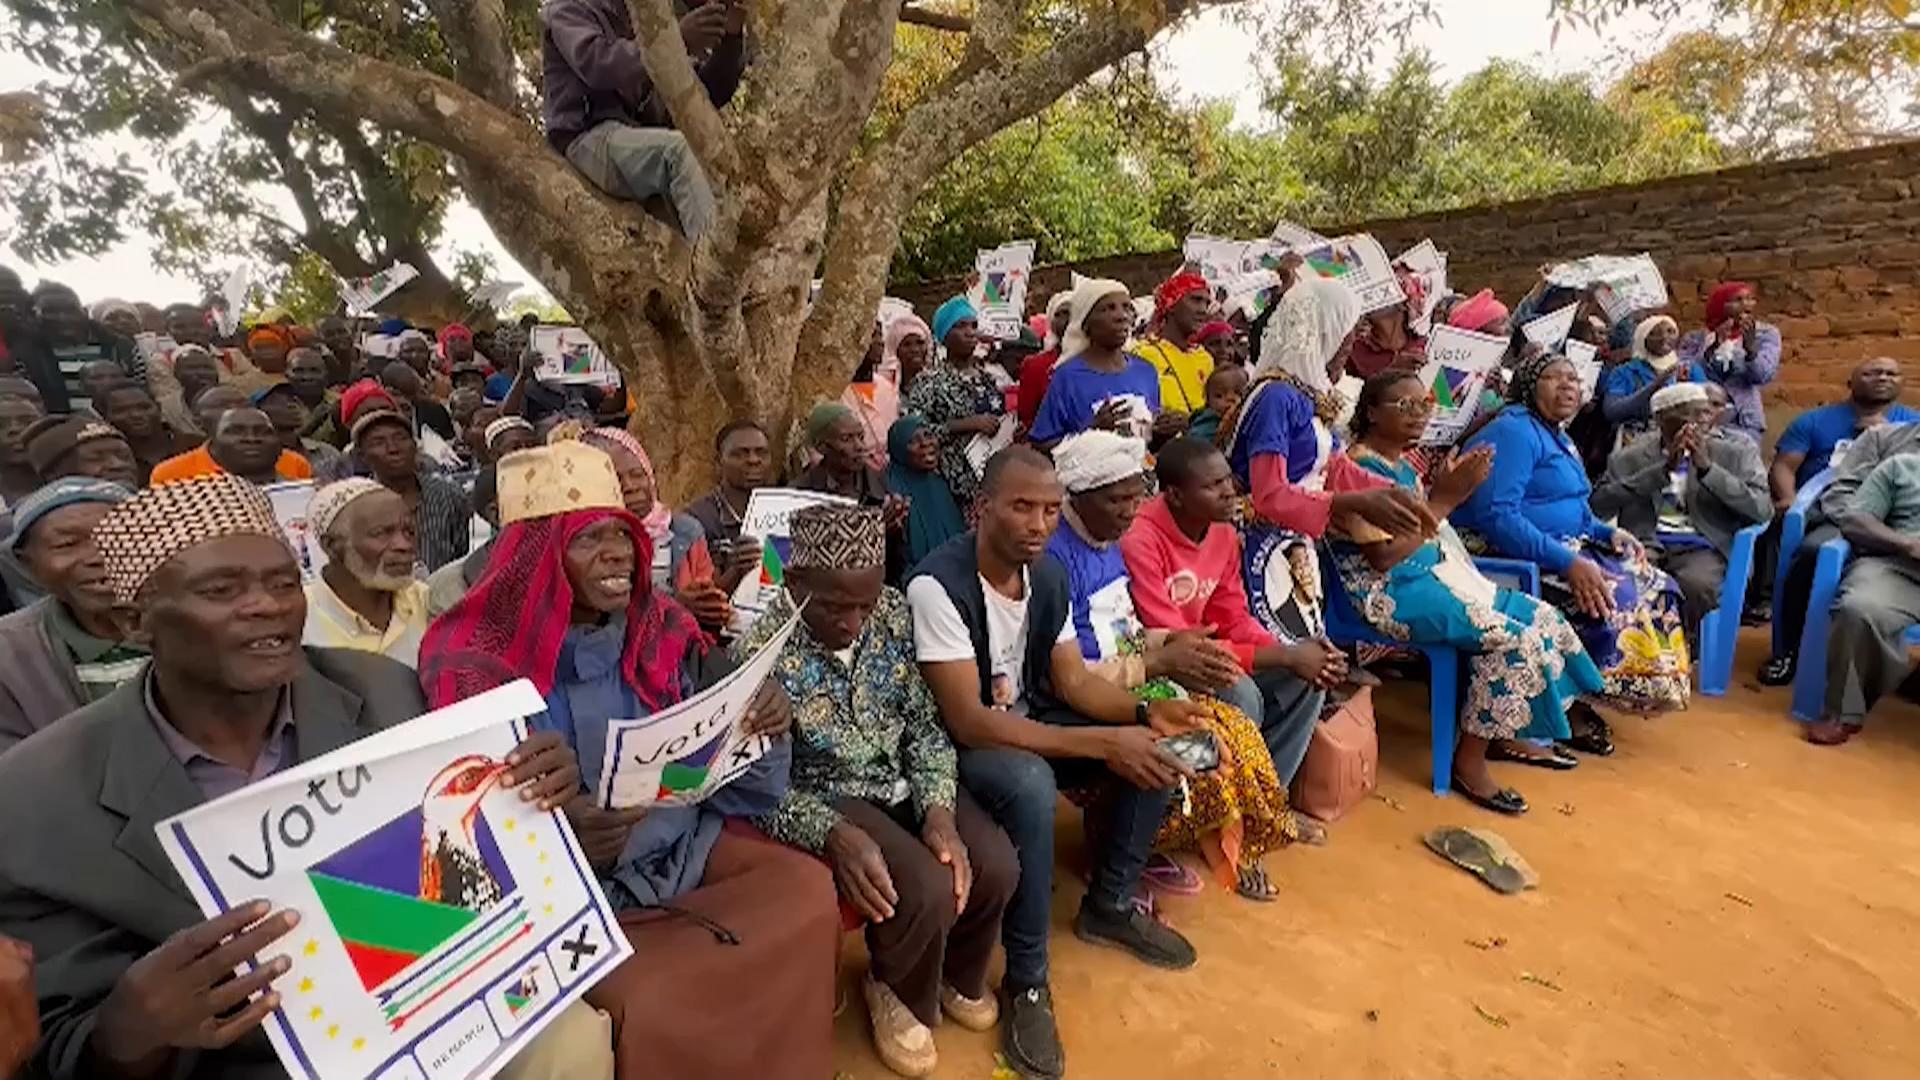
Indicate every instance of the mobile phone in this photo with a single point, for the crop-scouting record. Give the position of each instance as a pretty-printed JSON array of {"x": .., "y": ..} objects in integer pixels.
[{"x": 1197, "y": 750}]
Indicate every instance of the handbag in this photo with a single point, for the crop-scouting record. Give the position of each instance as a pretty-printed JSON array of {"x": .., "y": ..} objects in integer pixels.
[{"x": 1342, "y": 765}]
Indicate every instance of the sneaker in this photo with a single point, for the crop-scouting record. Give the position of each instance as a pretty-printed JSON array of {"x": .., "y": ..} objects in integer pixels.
[
  {"x": 1030, "y": 1039},
  {"x": 903, "y": 1042},
  {"x": 1150, "y": 942},
  {"x": 974, "y": 1014}
]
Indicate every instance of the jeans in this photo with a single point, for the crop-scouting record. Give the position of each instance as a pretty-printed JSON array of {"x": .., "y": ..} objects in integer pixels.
[
  {"x": 1019, "y": 789},
  {"x": 638, "y": 163},
  {"x": 1285, "y": 708}
]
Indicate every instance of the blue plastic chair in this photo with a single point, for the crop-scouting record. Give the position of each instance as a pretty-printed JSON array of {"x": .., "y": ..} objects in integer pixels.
[
  {"x": 1346, "y": 627},
  {"x": 1810, "y": 680},
  {"x": 1720, "y": 630},
  {"x": 1793, "y": 530}
]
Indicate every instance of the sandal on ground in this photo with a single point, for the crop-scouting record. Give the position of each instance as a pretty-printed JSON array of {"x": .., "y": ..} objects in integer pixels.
[
  {"x": 1505, "y": 801},
  {"x": 1831, "y": 732},
  {"x": 1779, "y": 670},
  {"x": 1549, "y": 757},
  {"x": 1256, "y": 885},
  {"x": 1169, "y": 876},
  {"x": 1310, "y": 831}
]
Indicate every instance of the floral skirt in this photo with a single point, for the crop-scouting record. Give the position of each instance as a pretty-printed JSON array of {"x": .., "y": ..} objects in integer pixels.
[
  {"x": 1237, "y": 813},
  {"x": 1641, "y": 649}
]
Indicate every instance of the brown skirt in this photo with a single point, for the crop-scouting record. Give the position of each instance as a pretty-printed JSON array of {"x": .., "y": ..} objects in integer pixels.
[{"x": 687, "y": 1007}]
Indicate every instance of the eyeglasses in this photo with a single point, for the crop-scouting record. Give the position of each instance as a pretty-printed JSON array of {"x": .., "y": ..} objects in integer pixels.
[{"x": 1410, "y": 406}]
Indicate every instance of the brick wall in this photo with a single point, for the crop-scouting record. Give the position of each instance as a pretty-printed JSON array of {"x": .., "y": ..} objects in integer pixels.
[{"x": 1832, "y": 244}]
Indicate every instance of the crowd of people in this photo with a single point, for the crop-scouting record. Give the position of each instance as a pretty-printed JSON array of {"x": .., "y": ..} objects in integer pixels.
[{"x": 1122, "y": 606}]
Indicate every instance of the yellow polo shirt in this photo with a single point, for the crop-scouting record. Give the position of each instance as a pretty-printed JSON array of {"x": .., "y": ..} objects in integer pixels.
[{"x": 1183, "y": 373}]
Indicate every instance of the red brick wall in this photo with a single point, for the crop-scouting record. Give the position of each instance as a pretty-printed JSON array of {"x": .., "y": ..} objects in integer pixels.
[{"x": 1832, "y": 244}]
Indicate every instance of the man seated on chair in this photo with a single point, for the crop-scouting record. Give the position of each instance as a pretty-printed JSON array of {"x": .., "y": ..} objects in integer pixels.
[
  {"x": 1850, "y": 470},
  {"x": 1684, "y": 490},
  {"x": 874, "y": 789},
  {"x": 992, "y": 629},
  {"x": 1879, "y": 599}
]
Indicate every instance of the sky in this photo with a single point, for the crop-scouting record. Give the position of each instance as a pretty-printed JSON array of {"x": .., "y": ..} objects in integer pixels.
[{"x": 1209, "y": 58}]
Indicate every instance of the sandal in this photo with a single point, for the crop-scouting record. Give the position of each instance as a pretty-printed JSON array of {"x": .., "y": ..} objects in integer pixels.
[
  {"x": 1166, "y": 874},
  {"x": 1552, "y": 757},
  {"x": 1257, "y": 886},
  {"x": 1596, "y": 740},
  {"x": 1505, "y": 801},
  {"x": 1308, "y": 830},
  {"x": 1779, "y": 670}
]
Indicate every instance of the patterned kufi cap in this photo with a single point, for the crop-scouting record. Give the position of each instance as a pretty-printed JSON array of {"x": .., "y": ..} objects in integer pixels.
[
  {"x": 330, "y": 501},
  {"x": 146, "y": 532},
  {"x": 837, "y": 538},
  {"x": 557, "y": 479}
]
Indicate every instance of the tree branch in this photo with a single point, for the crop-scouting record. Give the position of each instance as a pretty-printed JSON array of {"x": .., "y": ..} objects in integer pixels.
[
  {"x": 477, "y": 39},
  {"x": 936, "y": 20},
  {"x": 658, "y": 34}
]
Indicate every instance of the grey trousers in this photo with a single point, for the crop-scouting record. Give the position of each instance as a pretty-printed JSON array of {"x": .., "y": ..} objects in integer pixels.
[
  {"x": 1285, "y": 709},
  {"x": 1700, "y": 573},
  {"x": 1879, "y": 598},
  {"x": 638, "y": 163}
]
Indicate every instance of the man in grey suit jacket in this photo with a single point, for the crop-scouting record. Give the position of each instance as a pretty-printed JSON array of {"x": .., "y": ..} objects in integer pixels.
[
  {"x": 132, "y": 981},
  {"x": 1683, "y": 491}
]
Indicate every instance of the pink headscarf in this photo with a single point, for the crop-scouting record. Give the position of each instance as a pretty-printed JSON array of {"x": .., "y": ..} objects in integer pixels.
[
  {"x": 1478, "y": 311},
  {"x": 904, "y": 325},
  {"x": 659, "y": 520}
]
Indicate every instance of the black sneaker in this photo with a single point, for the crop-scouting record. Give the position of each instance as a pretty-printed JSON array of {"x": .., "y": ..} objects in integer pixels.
[
  {"x": 1149, "y": 941},
  {"x": 1028, "y": 1036}
]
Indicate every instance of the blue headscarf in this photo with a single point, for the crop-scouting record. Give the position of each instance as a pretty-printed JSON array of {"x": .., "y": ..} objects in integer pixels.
[
  {"x": 949, "y": 315},
  {"x": 933, "y": 517}
]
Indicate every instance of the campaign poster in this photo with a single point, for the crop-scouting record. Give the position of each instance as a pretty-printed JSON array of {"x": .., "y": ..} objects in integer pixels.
[
  {"x": 443, "y": 921},
  {"x": 290, "y": 501},
  {"x": 362, "y": 294},
  {"x": 1360, "y": 263},
  {"x": 681, "y": 755},
  {"x": 1455, "y": 371},
  {"x": 768, "y": 512},
  {"x": 1550, "y": 331},
  {"x": 999, "y": 290},
  {"x": 569, "y": 356},
  {"x": 1586, "y": 361},
  {"x": 1427, "y": 265}
]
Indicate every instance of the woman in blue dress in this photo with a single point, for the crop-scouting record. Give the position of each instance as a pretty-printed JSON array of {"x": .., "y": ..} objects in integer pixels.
[
  {"x": 1525, "y": 665},
  {"x": 1534, "y": 506},
  {"x": 1100, "y": 384}
]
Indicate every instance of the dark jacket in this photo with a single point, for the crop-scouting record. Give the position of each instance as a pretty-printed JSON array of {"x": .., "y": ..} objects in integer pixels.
[
  {"x": 956, "y": 566},
  {"x": 592, "y": 71},
  {"x": 83, "y": 878}
]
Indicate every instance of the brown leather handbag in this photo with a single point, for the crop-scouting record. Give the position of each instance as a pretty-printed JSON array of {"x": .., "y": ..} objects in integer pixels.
[{"x": 1343, "y": 760}]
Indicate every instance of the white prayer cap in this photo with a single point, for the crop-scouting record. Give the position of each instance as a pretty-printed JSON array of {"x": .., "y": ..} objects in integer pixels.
[
  {"x": 1678, "y": 395},
  {"x": 1094, "y": 459}
]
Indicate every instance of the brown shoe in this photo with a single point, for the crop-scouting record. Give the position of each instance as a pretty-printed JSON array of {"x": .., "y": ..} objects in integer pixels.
[
  {"x": 903, "y": 1042},
  {"x": 974, "y": 1014},
  {"x": 1831, "y": 732}
]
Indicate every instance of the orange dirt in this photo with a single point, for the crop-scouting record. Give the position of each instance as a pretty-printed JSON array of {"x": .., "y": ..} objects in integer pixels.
[{"x": 1720, "y": 898}]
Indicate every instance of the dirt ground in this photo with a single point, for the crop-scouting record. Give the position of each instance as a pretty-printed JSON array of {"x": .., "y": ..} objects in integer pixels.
[{"x": 1718, "y": 899}]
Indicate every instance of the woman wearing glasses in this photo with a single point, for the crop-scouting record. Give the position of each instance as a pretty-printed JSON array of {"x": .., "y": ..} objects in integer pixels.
[{"x": 1526, "y": 665}]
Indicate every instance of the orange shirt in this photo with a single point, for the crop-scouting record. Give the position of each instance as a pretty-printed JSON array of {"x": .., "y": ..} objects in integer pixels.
[{"x": 199, "y": 462}]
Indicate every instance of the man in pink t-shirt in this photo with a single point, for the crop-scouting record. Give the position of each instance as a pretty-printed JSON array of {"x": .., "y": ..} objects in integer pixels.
[{"x": 1183, "y": 558}]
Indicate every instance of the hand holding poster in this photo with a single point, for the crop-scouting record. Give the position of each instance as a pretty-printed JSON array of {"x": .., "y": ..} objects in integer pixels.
[
  {"x": 1455, "y": 371},
  {"x": 443, "y": 920},
  {"x": 999, "y": 293},
  {"x": 682, "y": 755},
  {"x": 1550, "y": 330},
  {"x": 1621, "y": 285},
  {"x": 768, "y": 511},
  {"x": 568, "y": 355}
]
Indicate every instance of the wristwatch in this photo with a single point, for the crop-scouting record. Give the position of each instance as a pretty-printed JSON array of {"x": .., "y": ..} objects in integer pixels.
[{"x": 1140, "y": 713}]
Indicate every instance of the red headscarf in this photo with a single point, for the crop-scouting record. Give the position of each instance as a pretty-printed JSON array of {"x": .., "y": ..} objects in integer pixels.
[
  {"x": 513, "y": 621},
  {"x": 1212, "y": 330},
  {"x": 1718, "y": 300},
  {"x": 1478, "y": 311},
  {"x": 1173, "y": 290}
]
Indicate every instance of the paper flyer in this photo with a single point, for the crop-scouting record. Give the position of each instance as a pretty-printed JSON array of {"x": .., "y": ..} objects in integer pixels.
[
  {"x": 1361, "y": 264},
  {"x": 233, "y": 294},
  {"x": 361, "y": 294},
  {"x": 1550, "y": 330},
  {"x": 982, "y": 447},
  {"x": 1427, "y": 265},
  {"x": 568, "y": 355},
  {"x": 493, "y": 295},
  {"x": 682, "y": 755},
  {"x": 999, "y": 293},
  {"x": 1296, "y": 237},
  {"x": 1216, "y": 259},
  {"x": 290, "y": 501},
  {"x": 383, "y": 346},
  {"x": 156, "y": 350},
  {"x": 1621, "y": 284},
  {"x": 768, "y": 511},
  {"x": 1454, "y": 373},
  {"x": 443, "y": 921},
  {"x": 1586, "y": 360}
]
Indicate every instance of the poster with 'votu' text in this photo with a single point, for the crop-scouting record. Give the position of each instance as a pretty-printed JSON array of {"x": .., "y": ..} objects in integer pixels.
[{"x": 443, "y": 920}]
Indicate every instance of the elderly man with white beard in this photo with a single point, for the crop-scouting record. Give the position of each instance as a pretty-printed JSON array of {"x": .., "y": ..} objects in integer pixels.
[{"x": 366, "y": 596}]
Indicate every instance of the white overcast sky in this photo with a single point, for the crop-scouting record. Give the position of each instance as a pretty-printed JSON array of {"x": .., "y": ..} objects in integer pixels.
[{"x": 1206, "y": 59}]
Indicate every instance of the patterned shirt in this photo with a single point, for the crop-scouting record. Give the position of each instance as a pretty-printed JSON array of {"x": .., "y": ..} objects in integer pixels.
[
  {"x": 864, "y": 723},
  {"x": 943, "y": 394}
]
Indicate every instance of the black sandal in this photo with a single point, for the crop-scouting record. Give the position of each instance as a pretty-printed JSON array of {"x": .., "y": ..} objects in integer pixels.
[
  {"x": 1557, "y": 759},
  {"x": 1255, "y": 885},
  {"x": 1779, "y": 670},
  {"x": 1505, "y": 801},
  {"x": 1597, "y": 740}
]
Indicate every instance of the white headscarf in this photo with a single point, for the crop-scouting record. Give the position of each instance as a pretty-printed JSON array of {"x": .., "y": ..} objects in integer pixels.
[
  {"x": 1314, "y": 317},
  {"x": 1058, "y": 302},
  {"x": 1086, "y": 294},
  {"x": 1644, "y": 331},
  {"x": 1094, "y": 459}
]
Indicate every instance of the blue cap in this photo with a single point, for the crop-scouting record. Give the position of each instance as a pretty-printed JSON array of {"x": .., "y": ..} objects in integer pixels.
[{"x": 64, "y": 492}]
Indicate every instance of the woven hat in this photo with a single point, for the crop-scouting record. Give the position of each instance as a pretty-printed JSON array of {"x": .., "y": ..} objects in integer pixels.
[
  {"x": 503, "y": 425},
  {"x": 146, "y": 532},
  {"x": 837, "y": 538},
  {"x": 330, "y": 501},
  {"x": 557, "y": 479}
]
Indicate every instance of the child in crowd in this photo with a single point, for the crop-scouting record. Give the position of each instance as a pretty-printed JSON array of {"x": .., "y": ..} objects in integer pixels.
[{"x": 1225, "y": 387}]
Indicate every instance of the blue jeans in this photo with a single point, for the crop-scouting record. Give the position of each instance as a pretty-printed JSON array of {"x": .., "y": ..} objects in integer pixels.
[
  {"x": 1285, "y": 708},
  {"x": 638, "y": 163},
  {"x": 1019, "y": 790}
]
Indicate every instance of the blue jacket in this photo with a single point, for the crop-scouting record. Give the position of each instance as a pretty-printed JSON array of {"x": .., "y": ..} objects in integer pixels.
[{"x": 1536, "y": 498}]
